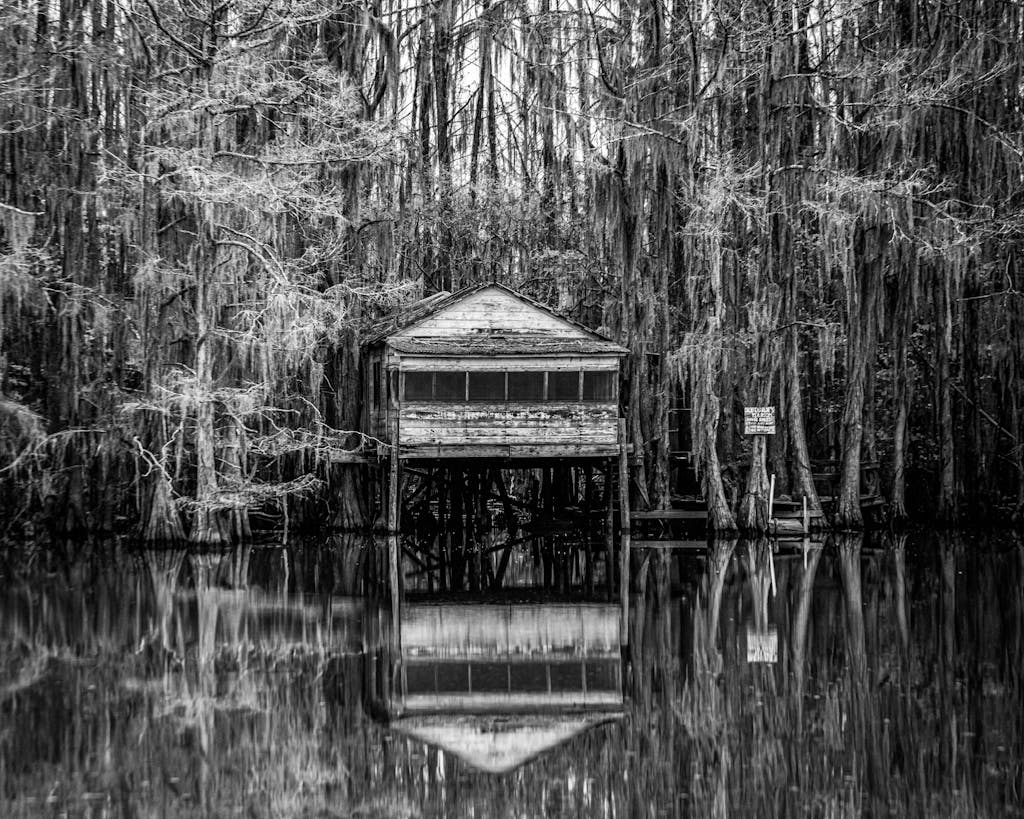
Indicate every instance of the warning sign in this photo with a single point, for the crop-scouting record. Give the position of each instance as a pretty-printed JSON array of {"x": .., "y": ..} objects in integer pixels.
[{"x": 759, "y": 420}]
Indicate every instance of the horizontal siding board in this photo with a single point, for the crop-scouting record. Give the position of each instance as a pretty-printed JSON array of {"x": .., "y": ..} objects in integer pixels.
[
  {"x": 496, "y": 438},
  {"x": 518, "y": 431},
  {"x": 506, "y": 451},
  {"x": 556, "y": 424}
]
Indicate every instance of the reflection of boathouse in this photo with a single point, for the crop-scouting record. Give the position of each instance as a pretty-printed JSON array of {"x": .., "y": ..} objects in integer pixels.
[{"x": 497, "y": 685}]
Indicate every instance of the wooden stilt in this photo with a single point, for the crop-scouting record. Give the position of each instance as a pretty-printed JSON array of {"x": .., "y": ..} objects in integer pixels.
[
  {"x": 547, "y": 552},
  {"x": 588, "y": 552},
  {"x": 624, "y": 528},
  {"x": 443, "y": 538},
  {"x": 609, "y": 531},
  {"x": 458, "y": 529}
]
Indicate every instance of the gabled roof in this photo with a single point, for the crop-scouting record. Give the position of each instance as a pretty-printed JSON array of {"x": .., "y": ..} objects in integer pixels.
[{"x": 419, "y": 312}]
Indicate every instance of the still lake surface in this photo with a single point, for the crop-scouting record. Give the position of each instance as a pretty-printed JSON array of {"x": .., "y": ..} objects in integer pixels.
[{"x": 854, "y": 678}]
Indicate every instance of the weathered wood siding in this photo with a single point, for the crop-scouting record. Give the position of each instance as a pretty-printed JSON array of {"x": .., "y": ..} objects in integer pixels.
[
  {"x": 375, "y": 386},
  {"x": 492, "y": 310},
  {"x": 508, "y": 423},
  {"x": 475, "y": 424},
  {"x": 453, "y": 630}
]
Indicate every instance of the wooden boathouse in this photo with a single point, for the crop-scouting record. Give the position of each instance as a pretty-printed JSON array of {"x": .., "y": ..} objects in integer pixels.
[
  {"x": 490, "y": 373},
  {"x": 462, "y": 386}
]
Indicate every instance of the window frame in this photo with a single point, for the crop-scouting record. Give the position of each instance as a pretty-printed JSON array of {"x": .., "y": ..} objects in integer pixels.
[
  {"x": 613, "y": 386},
  {"x": 508, "y": 398},
  {"x": 579, "y": 387},
  {"x": 504, "y": 387},
  {"x": 517, "y": 400}
]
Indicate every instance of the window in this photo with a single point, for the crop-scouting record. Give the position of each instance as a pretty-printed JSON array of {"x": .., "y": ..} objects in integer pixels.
[
  {"x": 567, "y": 386},
  {"x": 376, "y": 384},
  {"x": 602, "y": 675},
  {"x": 564, "y": 386},
  {"x": 598, "y": 386},
  {"x": 450, "y": 387},
  {"x": 487, "y": 386},
  {"x": 526, "y": 386},
  {"x": 419, "y": 386}
]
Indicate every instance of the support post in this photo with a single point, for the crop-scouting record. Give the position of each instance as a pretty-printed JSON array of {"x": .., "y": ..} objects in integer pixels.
[
  {"x": 609, "y": 530},
  {"x": 588, "y": 550},
  {"x": 394, "y": 524},
  {"x": 443, "y": 537},
  {"x": 624, "y": 532}
]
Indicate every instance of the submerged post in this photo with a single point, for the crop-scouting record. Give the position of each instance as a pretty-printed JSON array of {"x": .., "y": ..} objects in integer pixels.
[
  {"x": 394, "y": 522},
  {"x": 624, "y": 528}
]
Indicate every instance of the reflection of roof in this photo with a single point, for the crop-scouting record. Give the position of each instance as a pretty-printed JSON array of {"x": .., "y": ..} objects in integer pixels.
[
  {"x": 498, "y": 744},
  {"x": 492, "y": 345}
]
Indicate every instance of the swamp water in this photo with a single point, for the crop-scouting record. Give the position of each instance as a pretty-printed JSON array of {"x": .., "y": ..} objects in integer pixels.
[{"x": 854, "y": 678}]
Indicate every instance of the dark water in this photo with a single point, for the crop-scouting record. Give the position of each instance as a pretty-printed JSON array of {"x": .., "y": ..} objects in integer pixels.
[{"x": 847, "y": 680}]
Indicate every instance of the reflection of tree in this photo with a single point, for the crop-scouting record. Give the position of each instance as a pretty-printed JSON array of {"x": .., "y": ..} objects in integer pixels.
[
  {"x": 164, "y": 567},
  {"x": 757, "y": 560},
  {"x": 346, "y": 554},
  {"x": 800, "y": 622},
  {"x": 706, "y": 639},
  {"x": 862, "y": 701}
]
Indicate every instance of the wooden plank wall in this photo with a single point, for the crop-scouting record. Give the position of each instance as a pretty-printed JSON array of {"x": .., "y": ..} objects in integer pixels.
[{"x": 508, "y": 424}]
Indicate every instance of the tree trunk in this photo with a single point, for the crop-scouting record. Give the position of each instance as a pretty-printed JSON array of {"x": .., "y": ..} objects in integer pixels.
[
  {"x": 803, "y": 475},
  {"x": 720, "y": 517},
  {"x": 208, "y": 525},
  {"x": 899, "y": 438},
  {"x": 862, "y": 296},
  {"x": 946, "y": 508},
  {"x": 753, "y": 515}
]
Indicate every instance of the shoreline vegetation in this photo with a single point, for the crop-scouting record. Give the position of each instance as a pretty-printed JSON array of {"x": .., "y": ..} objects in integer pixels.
[{"x": 807, "y": 204}]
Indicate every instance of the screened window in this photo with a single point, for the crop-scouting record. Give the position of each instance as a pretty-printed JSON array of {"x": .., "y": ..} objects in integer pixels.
[
  {"x": 526, "y": 386},
  {"x": 566, "y": 676},
  {"x": 529, "y": 677},
  {"x": 602, "y": 675},
  {"x": 498, "y": 387},
  {"x": 449, "y": 386},
  {"x": 419, "y": 678},
  {"x": 376, "y": 384},
  {"x": 564, "y": 386},
  {"x": 487, "y": 387},
  {"x": 598, "y": 386},
  {"x": 419, "y": 386},
  {"x": 452, "y": 677}
]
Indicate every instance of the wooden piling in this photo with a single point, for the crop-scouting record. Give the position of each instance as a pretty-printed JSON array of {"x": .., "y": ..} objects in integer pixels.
[
  {"x": 609, "y": 531},
  {"x": 443, "y": 536},
  {"x": 588, "y": 553},
  {"x": 624, "y": 529}
]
